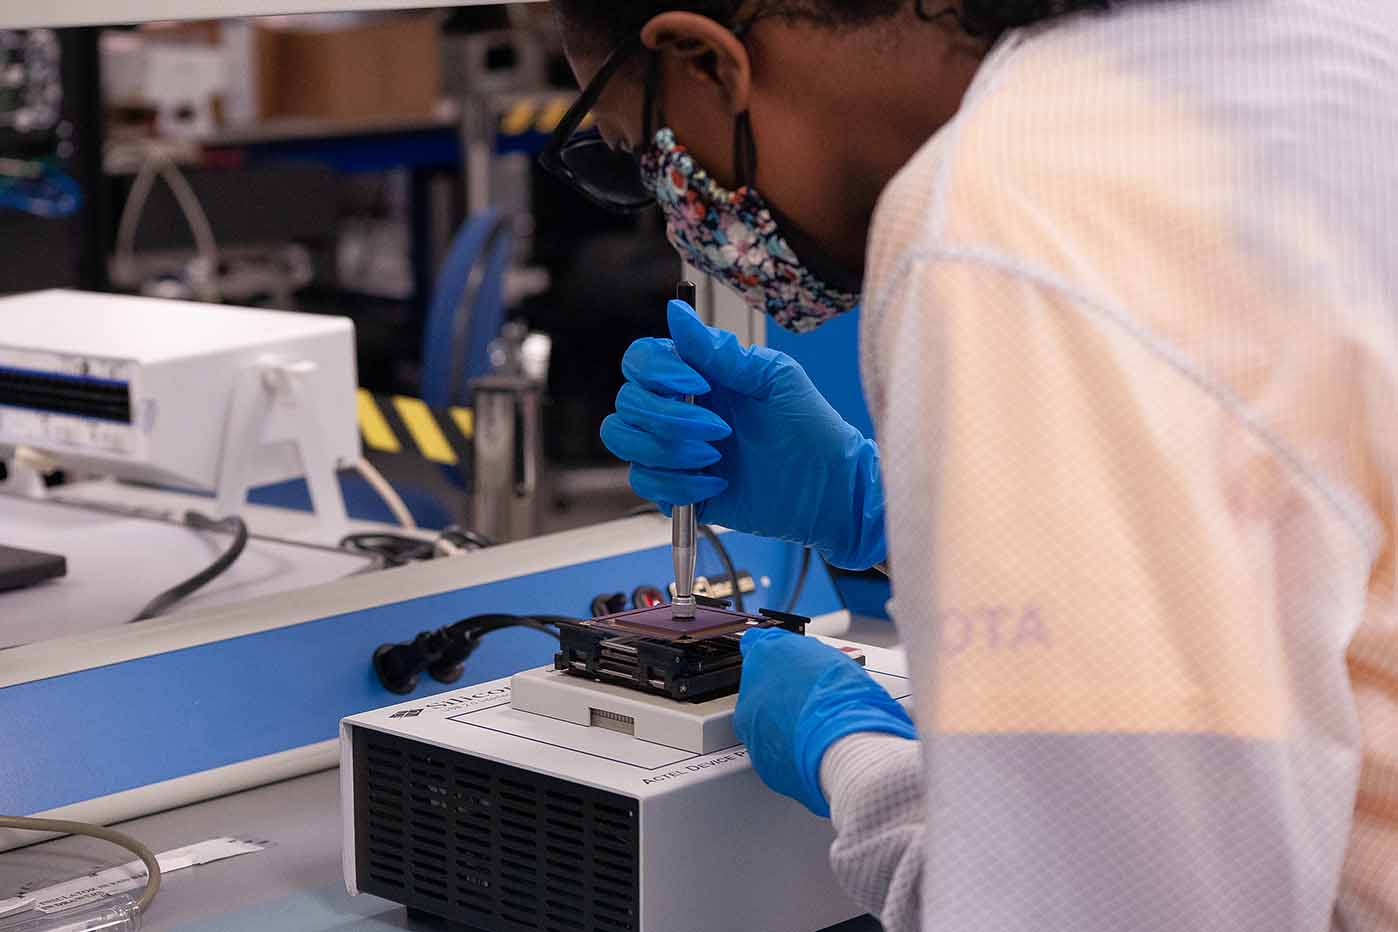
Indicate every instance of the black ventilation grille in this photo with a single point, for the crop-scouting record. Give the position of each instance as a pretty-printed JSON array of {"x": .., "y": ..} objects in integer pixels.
[
  {"x": 490, "y": 845},
  {"x": 95, "y": 398}
]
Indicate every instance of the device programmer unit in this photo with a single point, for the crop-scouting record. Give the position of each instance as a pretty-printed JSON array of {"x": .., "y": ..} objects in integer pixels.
[{"x": 596, "y": 795}]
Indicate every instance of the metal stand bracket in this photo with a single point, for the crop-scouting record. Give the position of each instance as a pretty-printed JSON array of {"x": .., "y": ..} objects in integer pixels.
[{"x": 262, "y": 390}]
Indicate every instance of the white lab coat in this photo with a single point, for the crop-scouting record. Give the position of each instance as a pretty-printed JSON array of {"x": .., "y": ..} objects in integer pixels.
[{"x": 1130, "y": 340}]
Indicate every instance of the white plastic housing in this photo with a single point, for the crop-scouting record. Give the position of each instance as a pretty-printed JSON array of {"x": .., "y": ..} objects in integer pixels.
[
  {"x": 181, "y": 361},
  {"x": 701, "y": 727},
  {"x": 707, "y": 826}
]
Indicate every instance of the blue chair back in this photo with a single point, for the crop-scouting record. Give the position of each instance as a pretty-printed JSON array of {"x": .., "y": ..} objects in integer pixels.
[{"x": 467, "y": 309}]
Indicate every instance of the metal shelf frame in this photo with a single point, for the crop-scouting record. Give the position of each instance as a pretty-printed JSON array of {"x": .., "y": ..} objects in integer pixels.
[{"x": 24, "y": 14}]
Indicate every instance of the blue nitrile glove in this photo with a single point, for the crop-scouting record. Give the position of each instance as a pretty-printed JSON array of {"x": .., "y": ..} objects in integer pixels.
[
  {"x": 762, "y": 451},
  {"x": 798, "y": 697}
]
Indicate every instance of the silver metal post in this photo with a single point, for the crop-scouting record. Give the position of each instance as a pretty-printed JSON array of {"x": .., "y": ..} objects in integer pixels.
[
  {"x": 682, "y": 524},
  {"x": 683, "y": 553},
  {"x": 508, "y": 457}
]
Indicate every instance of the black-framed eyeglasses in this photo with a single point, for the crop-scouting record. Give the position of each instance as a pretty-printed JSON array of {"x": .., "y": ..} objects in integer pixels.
[{"x": 607, "y": 177}]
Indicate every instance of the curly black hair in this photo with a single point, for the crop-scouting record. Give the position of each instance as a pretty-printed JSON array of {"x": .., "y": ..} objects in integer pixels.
[{"x": 615, "y": 21}]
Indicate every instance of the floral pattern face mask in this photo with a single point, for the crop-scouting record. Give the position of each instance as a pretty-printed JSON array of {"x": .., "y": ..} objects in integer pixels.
[{"x": 733, "y": 236}]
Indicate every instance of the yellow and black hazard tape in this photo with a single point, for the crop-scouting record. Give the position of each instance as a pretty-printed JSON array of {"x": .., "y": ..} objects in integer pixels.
[
  {"x": 400, "y": 424},
  {"x": 537, "y": 116}
]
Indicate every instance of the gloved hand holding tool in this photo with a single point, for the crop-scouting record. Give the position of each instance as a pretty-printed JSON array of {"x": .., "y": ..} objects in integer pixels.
[
  {"x": 798, "y": 697},
  {"x": 762, "y": 451}
]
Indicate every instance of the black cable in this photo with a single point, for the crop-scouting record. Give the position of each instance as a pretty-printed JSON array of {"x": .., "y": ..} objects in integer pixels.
[
  {"x": 200, "y": 522},
  {"x": 401, "y": 549},
  {"x": 728, "y": 566},
  {"x": 462, "y": 638},
  {"x": 392, "y": 549},
  {"x": 801, "y": 575},
  {"x": 474, "y": 628},
  {"x": 443, "y": 652},
  {"x": 465, "y": 537}
]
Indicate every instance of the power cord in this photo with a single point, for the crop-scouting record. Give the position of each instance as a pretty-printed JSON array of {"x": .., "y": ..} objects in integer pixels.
[
  {"x": 801, "y": 575},
  {"x": 465, "y": 538},
  {"x": 385, "y": 490},
  {"x": 443, "y": 652},
  {"x": 121, "y": 839},
  {"x": 200, "y": 522},
  {"x": 401, "y": 549},
  {"x": 728, "y": 566},
  {"x": 391, "y": 549}
]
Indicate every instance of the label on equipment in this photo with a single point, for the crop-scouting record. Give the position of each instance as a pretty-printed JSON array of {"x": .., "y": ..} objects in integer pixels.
[
  {"x": 125, "y": 877},
  {"x": 90, "y": 367},
  {"x": 55, "y": 431}
]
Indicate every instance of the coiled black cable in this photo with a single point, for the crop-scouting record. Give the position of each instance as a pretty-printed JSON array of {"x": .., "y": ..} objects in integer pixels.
[{"x": 392, "y": 549}]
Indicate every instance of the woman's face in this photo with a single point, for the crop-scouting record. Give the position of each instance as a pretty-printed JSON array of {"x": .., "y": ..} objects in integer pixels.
[
  {"x": 702, "y": 84},
  {"x": 834, "y": 112}
]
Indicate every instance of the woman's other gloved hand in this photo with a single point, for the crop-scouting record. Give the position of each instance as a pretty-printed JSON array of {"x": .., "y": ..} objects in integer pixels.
[
  {"x": 798, "y": 697},
  {"x": 761, "y": 451}
]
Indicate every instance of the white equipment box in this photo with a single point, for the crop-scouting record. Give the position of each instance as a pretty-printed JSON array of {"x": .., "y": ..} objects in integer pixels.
[
  {"x": 175, "y": 392},
  {"x": 469, "y": 808}
]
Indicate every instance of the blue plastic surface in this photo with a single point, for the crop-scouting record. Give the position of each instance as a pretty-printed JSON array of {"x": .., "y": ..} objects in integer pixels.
[
  {"x": 367, "y": 152},
  {"x": 109, "y": 729},
  {"x": 866, "y": 594},
  {"x": 830, "y": 356},
  {"x": 449, "y": 363},
  {"x": 361, "y": 501}
]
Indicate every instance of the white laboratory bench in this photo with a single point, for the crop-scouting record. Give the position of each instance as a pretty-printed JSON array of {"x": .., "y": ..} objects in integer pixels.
[
  {"x": 119, "y": 558},
  {"x": 296, "y": 882},
  {"x": 125, "y": 544},
  {"x": 265, "y": 520},
  {"x": 294, "y": 885}
]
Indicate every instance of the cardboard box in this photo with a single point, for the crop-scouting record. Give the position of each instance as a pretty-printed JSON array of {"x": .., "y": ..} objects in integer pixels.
[{"x": 388, "y": 66}]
